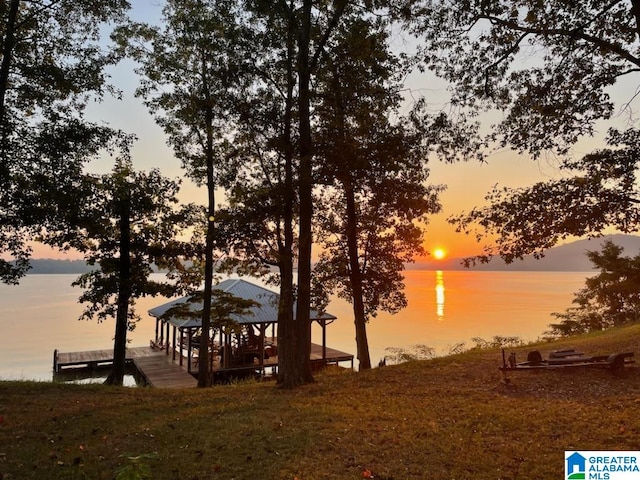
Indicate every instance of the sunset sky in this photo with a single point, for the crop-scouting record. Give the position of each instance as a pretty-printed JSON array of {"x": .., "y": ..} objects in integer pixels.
[{"x": 467, "y": 183}]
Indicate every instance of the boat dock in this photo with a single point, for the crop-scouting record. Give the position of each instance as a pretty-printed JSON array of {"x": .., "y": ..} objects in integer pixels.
[
  {"x": 93, "y": 359},
  {"x": 160, "y": 368},
  {"x": 330, "y": 356},
  {"x": 154, "y": 367},
  {"x": 171, "y": 359},
  {"x": 160, "y": 372}
]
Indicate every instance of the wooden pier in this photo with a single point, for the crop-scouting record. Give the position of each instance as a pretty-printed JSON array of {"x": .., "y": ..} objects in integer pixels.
[
  {"x": 154, "y": 367},
  {"x": 331, "y": 356},
  {"x": 93, "y": 359},
  {"x": 160, "y": 368},
  {"x": 160, "y": 371}
]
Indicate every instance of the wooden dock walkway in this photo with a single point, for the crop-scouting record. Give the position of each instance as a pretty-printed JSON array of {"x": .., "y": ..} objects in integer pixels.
[
  {"x": 156, "y": 368},
  {"x": 334, "y": 357},
  {"x": 94, "y": 358},
  {"x": 160, "y": 371}
]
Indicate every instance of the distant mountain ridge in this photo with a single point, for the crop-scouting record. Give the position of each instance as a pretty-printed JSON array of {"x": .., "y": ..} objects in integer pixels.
[
  {"x": 62, "y": 266},
  {"x": 570, "y": 257},
  {"x": 52, "y": 265}
]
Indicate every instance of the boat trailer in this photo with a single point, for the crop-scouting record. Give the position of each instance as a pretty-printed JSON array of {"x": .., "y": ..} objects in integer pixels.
[{"x": 569, "y": 358}]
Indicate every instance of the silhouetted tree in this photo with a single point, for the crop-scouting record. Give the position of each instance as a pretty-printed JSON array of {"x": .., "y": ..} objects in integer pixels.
[
  {"x": 294, "y": 35},
  {"x": 597, "y": 191},
  {"x": 374, "y": 173},
  {"x": 52, "y": 64},
  {"x": 190, "y": 76},
  {"x": 314, "y": 22},
  {"x": 258, "y": 227},
  {"x": 123, "y": 223},
  {"x": 549, "y": 66},
  {"x": 609, "y": 299}
]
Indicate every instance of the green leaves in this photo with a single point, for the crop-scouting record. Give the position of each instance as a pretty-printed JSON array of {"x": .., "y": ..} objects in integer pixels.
[
  {"x": 52, "y": 64},
  {"x": 597, "y": 191},
  {"x": 191, "y": 71},
  {"x": 154, "y": 224},
  {"x": 547, "y": 65},
  {"x": 608, "y": 299},
  {"x": 137, "y": 467}
]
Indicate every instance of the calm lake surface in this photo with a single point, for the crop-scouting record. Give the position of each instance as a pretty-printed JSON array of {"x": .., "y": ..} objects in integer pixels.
[{"x": 41, "y": 314}]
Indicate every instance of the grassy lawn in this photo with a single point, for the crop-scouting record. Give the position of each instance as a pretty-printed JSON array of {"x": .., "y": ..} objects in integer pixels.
[{"x": 449, "y": 418}]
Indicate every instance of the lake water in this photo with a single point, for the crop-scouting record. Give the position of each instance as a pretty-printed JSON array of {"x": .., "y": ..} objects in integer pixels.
[{"x": 445, "y": 308}]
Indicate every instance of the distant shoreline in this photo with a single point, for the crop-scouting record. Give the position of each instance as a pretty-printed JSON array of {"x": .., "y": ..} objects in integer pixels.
[
  {"x": 570, "y": 257},
  {"x": 409, "y": 268}
]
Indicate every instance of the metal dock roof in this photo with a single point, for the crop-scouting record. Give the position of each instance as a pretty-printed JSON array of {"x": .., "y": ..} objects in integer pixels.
[{"x": 265, "y": 312}]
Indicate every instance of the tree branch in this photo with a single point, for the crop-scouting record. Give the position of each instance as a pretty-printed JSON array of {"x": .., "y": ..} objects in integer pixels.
[
  {"x": 7, "y": 54},
  {"x": 635, "y": 8},
  {"x": 509, "y": 51},
  {"x": 573, "y": 33},
  {"x": 335, "y": 18},
  {"x": 38, "y": 12}
]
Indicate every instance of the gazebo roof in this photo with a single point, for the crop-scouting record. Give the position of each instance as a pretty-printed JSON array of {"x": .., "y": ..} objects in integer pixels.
[{"x": 265, "y": 312}]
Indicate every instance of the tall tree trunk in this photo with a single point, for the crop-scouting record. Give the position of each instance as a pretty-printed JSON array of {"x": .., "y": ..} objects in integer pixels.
[
  {"x": 8, "y": 44},
  {"x": 305, "y": 185},
  {"x": 204, "y": 377},
  {"x": 286, "y": 326},
  {"x": 635, "y": 10},
  {"x": 355, "y": 277},
  {"x": 116, "y": 376},
  {"x": 351, "y": 233}
]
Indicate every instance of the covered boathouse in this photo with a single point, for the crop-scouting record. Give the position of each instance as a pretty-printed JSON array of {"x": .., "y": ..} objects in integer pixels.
[{"x": 249, "y": 348}]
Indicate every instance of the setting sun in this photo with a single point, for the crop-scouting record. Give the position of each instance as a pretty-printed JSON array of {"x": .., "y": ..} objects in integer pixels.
[{"x": 439, "y": 253}]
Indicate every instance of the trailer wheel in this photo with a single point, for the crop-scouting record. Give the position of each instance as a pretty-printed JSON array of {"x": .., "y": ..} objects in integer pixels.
[
  {"x": 534, "y": 357},
  {"x": 616, "y": 364}
]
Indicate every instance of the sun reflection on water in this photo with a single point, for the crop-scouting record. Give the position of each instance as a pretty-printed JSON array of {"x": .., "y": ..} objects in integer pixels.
[{"x": 440, "y": 295}]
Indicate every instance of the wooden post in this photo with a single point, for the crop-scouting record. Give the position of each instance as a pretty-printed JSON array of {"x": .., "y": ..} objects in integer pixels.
[
  {"x": 263, "y": 331},
  {"x": 173, "y": 357},
  {"x": 189, "y": 350},
  {"x": 227, "y": 351},
  {"x": 211, "y": 342},
  {"x": 324, "y": 341},
  {"x": 167, "y": 342},
  {"x": 181, "y": 345}
]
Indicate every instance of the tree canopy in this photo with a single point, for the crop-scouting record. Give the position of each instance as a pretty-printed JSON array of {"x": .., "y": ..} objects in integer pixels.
[
  {"x": 53, "y": 64},
  {"x": 373, "y": 172},
  {"x": 124, "y": 223},
  {"x": 608, "y": 299},
  {"x": 549, "y": 68},
  {"x": 190, "y": 76},
  {"x": 597, "y": 191},
  {"x": 548, "y": 65}
]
